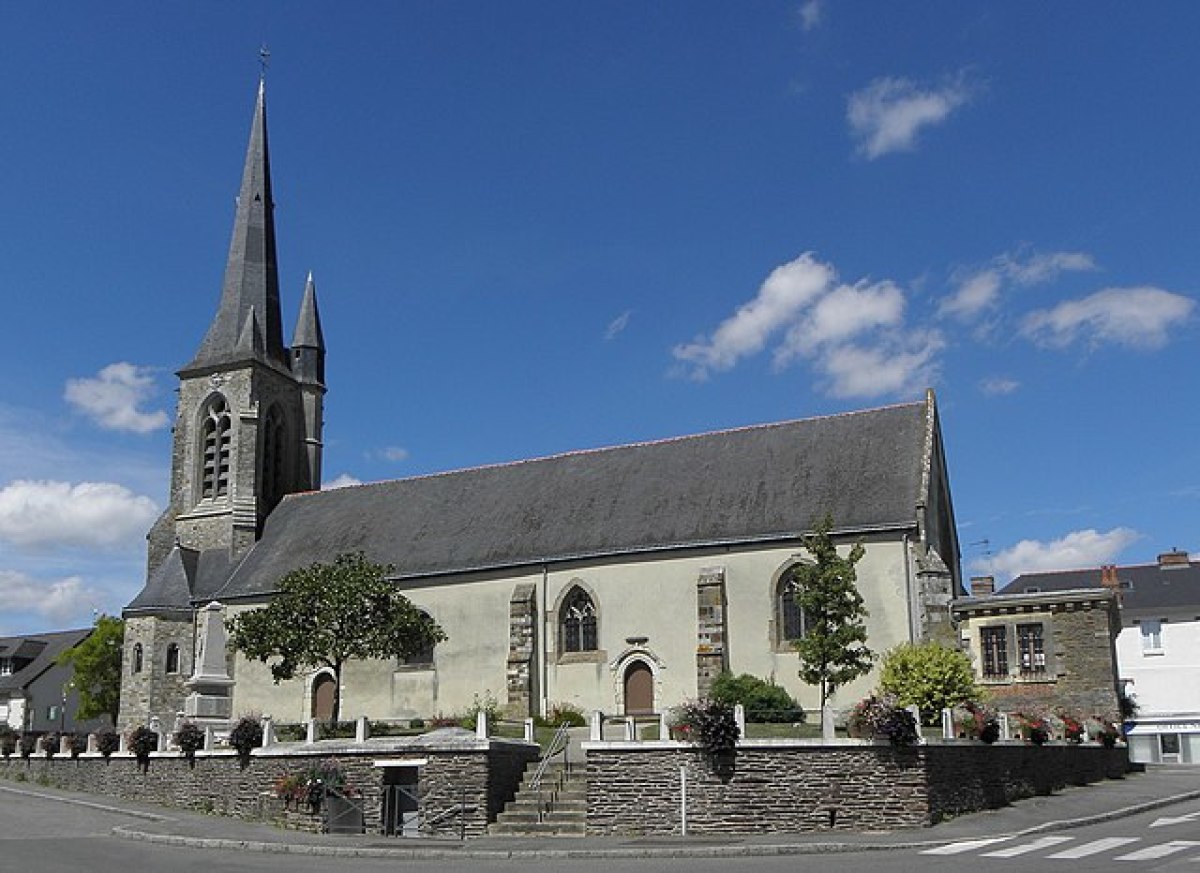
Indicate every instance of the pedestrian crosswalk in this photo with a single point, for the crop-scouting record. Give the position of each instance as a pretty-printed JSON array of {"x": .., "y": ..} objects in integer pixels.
[{"x": 1066, "y": 848}]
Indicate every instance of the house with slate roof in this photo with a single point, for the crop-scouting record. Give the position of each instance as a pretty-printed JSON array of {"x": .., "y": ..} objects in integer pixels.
[
  {"x": 1157, "y": 646},
  {"x": 620, "y": 579},
  {"x": 36, "y": 693}
]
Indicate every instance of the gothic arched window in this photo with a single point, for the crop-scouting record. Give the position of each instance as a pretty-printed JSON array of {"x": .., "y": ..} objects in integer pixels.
[
  {"x": 137, "y": 658},
  {"x": 789, "y": 617},
  {"x": 577, "y": 622},
  {"x": 172, "y": 660},
  {"x": 274, "y": 478},
  {"x": 216, "y": 435}
]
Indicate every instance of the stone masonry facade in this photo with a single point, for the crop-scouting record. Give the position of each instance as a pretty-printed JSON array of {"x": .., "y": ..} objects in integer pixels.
[{"x": 777, "y": 787}]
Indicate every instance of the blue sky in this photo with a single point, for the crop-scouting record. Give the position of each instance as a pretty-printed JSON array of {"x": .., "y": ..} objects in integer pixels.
[{"x": 537, "y": 227}]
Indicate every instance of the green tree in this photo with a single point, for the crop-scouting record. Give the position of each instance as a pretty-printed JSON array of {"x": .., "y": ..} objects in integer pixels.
[
  {"x": 763, "y": 700},
  {"x": 96, "y": 663},
  {"x": 833, "y": 648},
  {"x": 933, "y": 676},
  {"x": 328, "y": 614}
]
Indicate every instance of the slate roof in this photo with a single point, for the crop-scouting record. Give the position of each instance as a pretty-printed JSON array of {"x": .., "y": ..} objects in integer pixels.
[
  {"x": 186, "y": 576},
  {"x": 251, "y": 272},
  {"x": 758, "y": 483},
  {"x": 50, "y": 644},
  {"x": 1143, "y": 586}
]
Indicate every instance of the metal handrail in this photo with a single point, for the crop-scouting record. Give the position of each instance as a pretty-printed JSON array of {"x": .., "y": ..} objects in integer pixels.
[{"x": 560, "y": 743}]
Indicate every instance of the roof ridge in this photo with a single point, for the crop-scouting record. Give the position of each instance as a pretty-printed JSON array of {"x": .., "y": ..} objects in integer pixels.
[{"x": 613, "y": 448}]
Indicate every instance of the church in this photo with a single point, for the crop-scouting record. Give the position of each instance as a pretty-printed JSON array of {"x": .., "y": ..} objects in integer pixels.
[{"x": 620, "y": 579}]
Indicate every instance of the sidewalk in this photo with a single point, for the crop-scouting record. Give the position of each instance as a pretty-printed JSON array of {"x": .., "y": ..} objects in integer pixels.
[{"x": 1073, "y": 807}]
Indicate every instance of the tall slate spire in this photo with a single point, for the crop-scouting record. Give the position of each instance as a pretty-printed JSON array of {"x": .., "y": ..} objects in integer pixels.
[{"x": 251, "y": 272}]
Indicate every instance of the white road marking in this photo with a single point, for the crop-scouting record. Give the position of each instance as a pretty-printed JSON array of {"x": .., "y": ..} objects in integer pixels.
[
  {"x": 1095, "y": 847},
  {"x": 1035, "y": 846},
  {"x": 966, "y": 846},
  {"x": 1179, "y": 819},
  {"x": 1159, "y": 851}
]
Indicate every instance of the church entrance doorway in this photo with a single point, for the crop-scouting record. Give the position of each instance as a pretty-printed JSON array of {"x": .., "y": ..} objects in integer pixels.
[
  {"x": 322, "y": 697},
  {"x": 639, "y": 689}
]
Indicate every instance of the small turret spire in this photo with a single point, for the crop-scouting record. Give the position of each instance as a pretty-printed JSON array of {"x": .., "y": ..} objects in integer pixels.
[{"x": 308, "y": 343}]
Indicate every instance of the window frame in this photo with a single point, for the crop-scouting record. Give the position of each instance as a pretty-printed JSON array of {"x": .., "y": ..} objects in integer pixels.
[
  {"x": 576, "y": 631},
  {"x": 993, "y": 659}
]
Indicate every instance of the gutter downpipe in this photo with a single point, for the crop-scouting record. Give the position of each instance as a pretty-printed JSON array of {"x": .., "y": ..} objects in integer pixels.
[
  {"x": 544, "y": 703},
  {"x": 908, "y": 584}
]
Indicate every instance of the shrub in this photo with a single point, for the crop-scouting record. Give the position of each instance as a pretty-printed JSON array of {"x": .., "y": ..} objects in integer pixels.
[
  {"x": 881, "y": 716},
  {"x": 978, "y": 722},
  {"x": 27, "y": 744},
  {"x": 77, "y": 744},
  {"x": 190, "y": 739},
  {"x": 246, "y": 736},
  {"x": 8, "y": 740},
  {"x": 487, "y": 704},
  {"x": 416, "y": 723},
  {"x": 565, "y": 713},
  {"x": 107, "y": 741},
  {"x": 707, "y": 723},
  {"x": 1034, "y": 728},
  {"x": 142, "y": 741},
  {"x": 763, "y": 700},
  {"x": 930, "y": 675},
  {"x": 50, "y": 744}
]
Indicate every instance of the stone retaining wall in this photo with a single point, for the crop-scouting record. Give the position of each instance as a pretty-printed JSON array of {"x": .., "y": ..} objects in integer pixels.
[
  {"x": 485, "y": 775},
  {"x": 769, "y": 787}
]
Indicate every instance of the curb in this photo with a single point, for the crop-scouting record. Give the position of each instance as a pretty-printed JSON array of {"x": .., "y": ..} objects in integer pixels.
[{"x": 624, "y": 852}]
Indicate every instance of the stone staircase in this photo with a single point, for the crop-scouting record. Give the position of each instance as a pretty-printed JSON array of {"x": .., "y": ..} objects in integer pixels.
[{"x": 564, "y": 802}]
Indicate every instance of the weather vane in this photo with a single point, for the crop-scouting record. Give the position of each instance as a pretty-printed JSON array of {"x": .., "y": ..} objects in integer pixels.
[{"x": 264, "y": 59}]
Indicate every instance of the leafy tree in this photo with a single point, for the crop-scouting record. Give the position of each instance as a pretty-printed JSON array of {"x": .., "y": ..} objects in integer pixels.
[
  {"x": 328, "y": 614},
  {"x": 763, "y": 700},
  {"x": 833, "y": 648},
  {"x": 97, "y": 665},
  {"x": 933, "y": 676}
]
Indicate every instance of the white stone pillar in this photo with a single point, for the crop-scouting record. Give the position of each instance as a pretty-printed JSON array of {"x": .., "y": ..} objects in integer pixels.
[
  {"x": 664, "y": 727},
  {"x": 1005, "y": 730},
  {"x": 528, "y": 730},
  {"x": 481, "y": 725},
  {"x": 630, "y": 729},
  {"x": 739, "y": 716},
  {"x": 596, "y": 726},
  {"x": 947, "y": 724},
  {"x": 362, "y": 730},
  {"x": 93, "y": 744},
  {"x": 64, "y": 744},
  {"x": 268, "y": 728},
  {"x": 827, "y": 730},
  {"x": 310, "y": 736}
]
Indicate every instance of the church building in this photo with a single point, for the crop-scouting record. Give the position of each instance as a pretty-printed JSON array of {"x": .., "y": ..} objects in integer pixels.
[{"x": 621, "y": 579}]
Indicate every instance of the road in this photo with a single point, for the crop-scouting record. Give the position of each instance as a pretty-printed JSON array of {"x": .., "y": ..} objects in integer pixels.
[{"x": 43, "y": 835}]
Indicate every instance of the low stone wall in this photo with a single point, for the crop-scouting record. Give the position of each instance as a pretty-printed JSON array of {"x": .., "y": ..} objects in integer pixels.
[
  {"x": 486, "y": 773},
  {"x": 787, "y": 786}
]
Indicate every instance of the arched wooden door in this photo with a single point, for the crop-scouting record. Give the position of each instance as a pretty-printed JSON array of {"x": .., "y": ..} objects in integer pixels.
[
  {"x": 322, "y": 697},
  {"x": 639, "y": 689}
]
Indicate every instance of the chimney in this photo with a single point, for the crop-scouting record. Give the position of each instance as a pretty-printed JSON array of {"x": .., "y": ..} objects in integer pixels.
[
  {"x": 1173, "y": 560},
  {"x": 983, "y": 586}
]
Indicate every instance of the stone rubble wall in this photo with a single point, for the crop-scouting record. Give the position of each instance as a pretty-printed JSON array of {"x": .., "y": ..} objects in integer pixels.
[
  {"x": 216, "y": 782},
  {"x": 634, "y": 788}
]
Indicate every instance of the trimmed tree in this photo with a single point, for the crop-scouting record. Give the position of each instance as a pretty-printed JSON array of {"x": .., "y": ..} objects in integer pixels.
[
  {"x": 933, "y": 676},
  {"x": 833, "y": 648},
  {"x": 328, "y": 614},
  {"x": 96, "y": 662}
]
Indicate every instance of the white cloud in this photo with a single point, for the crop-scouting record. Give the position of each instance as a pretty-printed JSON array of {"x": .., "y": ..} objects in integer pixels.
[
  {"x": 1079, "y": 549},
  {"x": 845, "y": 312},
  {"x": 59, "y": 600},
  {"x": 40, "y": 514},
  {"x": 394, "y": 453},
  {"x": 976, "y": 294},
  {"x": 1137, "y": 317},
  {"x": 896, "y": 365},
  {"x": 1046, "y": 267},
  {"x": 343, "y": 481},
  {"x": 779, "y": 300},
  {"x": 113, "y": 396},
  {"x": 618, "y": 324},
  {"x": 810, "y": 14},
  {"x": 998, "y": 385},
  {"x": 887, "y": 115}
]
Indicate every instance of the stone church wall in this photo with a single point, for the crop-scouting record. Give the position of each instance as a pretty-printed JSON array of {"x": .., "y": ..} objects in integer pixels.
[{"x": 634, "y": 788}]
